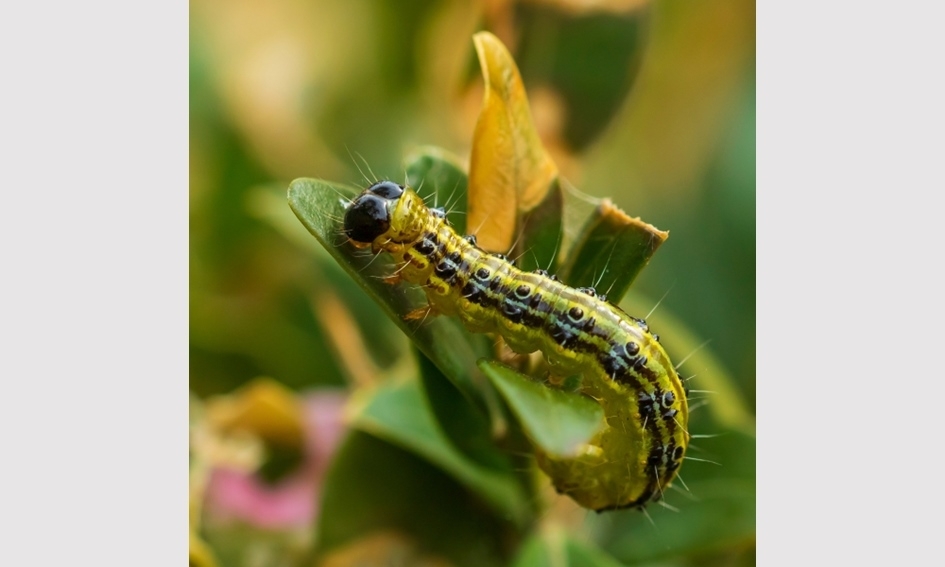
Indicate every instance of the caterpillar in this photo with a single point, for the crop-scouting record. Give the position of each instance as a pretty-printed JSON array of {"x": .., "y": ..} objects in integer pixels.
[{"x": 620, "y": 363}]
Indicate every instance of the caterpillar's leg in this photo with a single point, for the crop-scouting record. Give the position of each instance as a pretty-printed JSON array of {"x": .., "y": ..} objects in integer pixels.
[
  {"x": 421, "y": 313},
  {"x": 507, "y": 354},
  {"x": 578, "y": 477},
  {"x": 393, "y": 279},
  {"x": 556, "y": 380}
]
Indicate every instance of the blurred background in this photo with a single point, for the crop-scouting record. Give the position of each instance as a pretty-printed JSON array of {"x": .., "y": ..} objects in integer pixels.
[{"x": 649, "y": 103}]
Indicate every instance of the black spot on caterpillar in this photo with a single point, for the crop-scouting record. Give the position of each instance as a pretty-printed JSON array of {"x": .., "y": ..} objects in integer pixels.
[{"x": 621, "y": 364}]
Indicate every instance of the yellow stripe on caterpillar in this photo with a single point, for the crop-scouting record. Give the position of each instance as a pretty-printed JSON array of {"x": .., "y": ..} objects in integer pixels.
[{"x": 621, "y": 364}]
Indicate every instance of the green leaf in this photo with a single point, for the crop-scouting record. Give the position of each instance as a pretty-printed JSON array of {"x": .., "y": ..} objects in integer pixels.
[
  {"x": 610, "y": 251},
  {"x": 320, "y": 205},
  {"x": 399, "y": 414},
  {"x": 584, "y": 555},
  {"x": 554, "y": 547},
  {"x": 267, "y": 204},
  {"x": 373, "y": 486},
  {"x": 559, "y": 422},
  {"x": 534, "y": 553},
  {"x": 438, "y": 177},
  {"x": 542, "y": 231},
  {"x": 468, "y": 428}
]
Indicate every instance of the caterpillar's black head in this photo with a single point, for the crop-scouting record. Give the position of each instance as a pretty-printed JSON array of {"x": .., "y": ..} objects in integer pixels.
[{"x": 369, "y": 215}]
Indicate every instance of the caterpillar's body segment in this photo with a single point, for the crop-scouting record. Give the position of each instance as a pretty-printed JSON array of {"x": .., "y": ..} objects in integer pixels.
[{"x": 621, "y": 364}]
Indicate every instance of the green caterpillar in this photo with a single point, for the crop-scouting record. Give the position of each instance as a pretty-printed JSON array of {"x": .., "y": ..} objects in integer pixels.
[{"x": 621, "y": 363}]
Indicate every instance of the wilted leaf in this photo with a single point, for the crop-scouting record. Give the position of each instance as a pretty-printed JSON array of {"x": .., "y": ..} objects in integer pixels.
[
  {"x": 510, "y": 172},
  {"x": 610, "y": 251}
]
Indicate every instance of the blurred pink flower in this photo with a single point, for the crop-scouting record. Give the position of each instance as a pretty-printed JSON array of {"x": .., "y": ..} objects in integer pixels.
[{"x": 234, "y": 494}]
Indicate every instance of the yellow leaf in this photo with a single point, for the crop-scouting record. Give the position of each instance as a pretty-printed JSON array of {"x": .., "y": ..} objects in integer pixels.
[
  {"x": 265, "y": 408},
  {"x": 200, "y": 553},
  {"x": 508, "y": 160}
]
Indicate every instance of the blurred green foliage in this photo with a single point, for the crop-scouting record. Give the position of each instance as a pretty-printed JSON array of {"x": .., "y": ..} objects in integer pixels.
[{"x": 649, "y": 104}]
